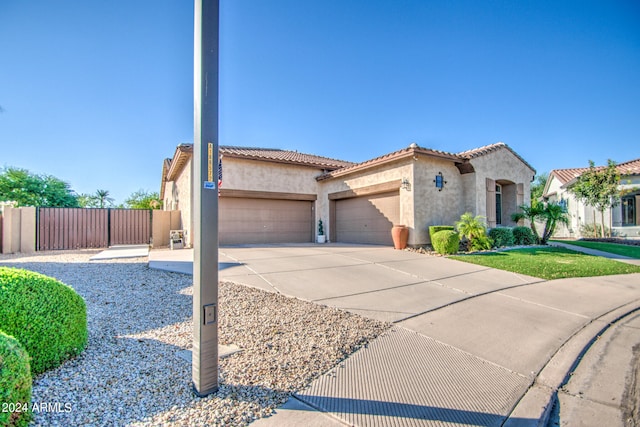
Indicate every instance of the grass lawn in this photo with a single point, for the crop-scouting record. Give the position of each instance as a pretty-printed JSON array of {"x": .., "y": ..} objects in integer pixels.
[
  {"x": 549, "y": 263},
  {"x": 614, "y": 248}
]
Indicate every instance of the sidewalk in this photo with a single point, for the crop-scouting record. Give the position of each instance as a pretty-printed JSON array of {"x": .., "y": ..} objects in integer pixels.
[
  {"x": 469, "y": 345},
  {"x": 595, "y": 252}
]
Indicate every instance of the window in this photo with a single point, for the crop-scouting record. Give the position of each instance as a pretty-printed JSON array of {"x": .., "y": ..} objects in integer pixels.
[
  {"x": 498, "y": 204},
  {"x": 629, "y": 210}
]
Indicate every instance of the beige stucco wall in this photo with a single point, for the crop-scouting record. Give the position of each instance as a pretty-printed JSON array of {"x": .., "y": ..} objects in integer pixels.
[
  {"x": 162, "y": 223},
  {"x": 252, "y": 175},
  {"x": 434, "y": 207},
  {"x": 19, "y": 230},
  {"x": 177, "y": 197},
  {"x": 391, "y": 172},
  {"x": 499, "y": 165}
]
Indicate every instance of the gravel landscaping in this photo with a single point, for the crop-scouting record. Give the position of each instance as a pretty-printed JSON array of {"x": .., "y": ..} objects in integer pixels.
[{"x": 139, "y": 319}]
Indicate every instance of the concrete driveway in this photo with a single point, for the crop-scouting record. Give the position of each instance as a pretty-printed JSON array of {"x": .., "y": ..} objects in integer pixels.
[
  {"x": 470, "y": 344},
  {"x": 373, "y": 281}
]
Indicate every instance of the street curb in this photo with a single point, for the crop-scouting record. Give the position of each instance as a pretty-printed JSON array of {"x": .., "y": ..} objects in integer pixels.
[{"x": 534, "y": 408}]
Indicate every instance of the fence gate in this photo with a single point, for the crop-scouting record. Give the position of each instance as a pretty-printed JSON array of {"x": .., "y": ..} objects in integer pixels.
[
  {"x": 79, "y": 228},
  {"x": 129, "y": 226}
]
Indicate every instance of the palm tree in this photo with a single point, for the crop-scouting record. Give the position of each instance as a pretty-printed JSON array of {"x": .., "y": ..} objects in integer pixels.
[
  {"x": 530, "y": 213},
  {"x": 553, "y": 214},
  {"x": 103, "y": 198},
  {"x": 471, "y": 227}
]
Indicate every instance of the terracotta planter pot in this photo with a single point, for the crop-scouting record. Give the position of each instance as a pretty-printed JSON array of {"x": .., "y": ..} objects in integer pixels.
[{"x": 400, "y": 235}]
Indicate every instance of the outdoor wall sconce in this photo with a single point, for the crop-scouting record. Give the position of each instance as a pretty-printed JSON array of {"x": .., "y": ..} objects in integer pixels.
[
  {"x": 405, "y": 184},
  {"x": 440, "y": 182}
]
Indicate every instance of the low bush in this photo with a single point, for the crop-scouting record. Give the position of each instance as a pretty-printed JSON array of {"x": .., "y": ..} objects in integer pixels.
[
  {"x": 15, "y": 382},
  {"x": 589, "y": 231},
  {"x": 501, "y": 236},
  {"x": 446, "y": 242},
  {"x": 481, "y": 243},
  {"x": 523, "y": 236},
  {"x": 47, "y": 317},
  {"x": 433, "y": 229}
]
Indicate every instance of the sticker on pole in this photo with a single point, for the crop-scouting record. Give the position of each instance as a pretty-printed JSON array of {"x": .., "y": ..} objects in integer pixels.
[{"x": 209, "y": 185}]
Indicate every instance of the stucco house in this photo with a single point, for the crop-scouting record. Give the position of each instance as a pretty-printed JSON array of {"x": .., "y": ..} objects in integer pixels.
[
  {"x": 624, "y": 219},
  {"x": 278, "y": 196}
]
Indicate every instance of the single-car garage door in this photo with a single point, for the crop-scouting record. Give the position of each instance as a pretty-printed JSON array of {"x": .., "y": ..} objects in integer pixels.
[
  {"x": 245, "y": 220},
  {"x": 367, "y": 219}
]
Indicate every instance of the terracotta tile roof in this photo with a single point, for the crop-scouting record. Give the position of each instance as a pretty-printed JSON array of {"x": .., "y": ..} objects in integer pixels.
[
  {"x": 631, "y": 167},
  {"x": 283, "y": 156},
  {"x": 481, "y": 151},
  {"x": 400, "y": 154},
  {"x": 566, "y": 175},
  {"x": 459, "y": 159}
]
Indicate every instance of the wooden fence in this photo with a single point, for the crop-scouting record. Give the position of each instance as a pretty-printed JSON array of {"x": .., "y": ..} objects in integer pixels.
[{"x": 77, "y": 228}]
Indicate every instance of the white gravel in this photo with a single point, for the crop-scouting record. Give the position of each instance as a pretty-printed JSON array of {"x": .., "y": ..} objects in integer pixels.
[{"x": 139, "y": 319}]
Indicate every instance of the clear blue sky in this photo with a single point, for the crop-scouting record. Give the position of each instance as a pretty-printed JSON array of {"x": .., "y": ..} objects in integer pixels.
[{"x": 99, "y": 93}]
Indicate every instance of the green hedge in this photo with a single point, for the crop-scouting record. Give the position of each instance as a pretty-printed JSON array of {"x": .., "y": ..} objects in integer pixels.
[
  {"x": 433, "y": 229},
  {"x": 523, "y": 236},
  {"x": 446, "y": 242},
  {"x": 46, "y": 316},
  {"x": 501, "y": 236},
  {"x": 15, "y": 383}
]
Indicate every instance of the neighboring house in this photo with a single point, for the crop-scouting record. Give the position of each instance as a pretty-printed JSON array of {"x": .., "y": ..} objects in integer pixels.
[
  {"x": 624, "y": 219},
  {"x": 278, "y": 196}
]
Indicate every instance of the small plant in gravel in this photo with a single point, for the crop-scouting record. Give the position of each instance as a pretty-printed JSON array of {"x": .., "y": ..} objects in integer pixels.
[
  {"x": 47, "y": 317},
  {"x": 446, "y": 242},
  {"x": 15, "y": 383},
  {"x": 502, "y": 236}
]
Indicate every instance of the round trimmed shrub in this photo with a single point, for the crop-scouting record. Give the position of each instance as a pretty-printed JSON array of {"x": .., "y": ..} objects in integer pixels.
[
  {"x": 446, "y": 242},
  {"x": 15, "y": 382},
  {"x": 46, "y": 316},
  {"x": 501, "y": 236},
  {"x": 523, "y": 236},
  {"x": 433, "y": 229}
]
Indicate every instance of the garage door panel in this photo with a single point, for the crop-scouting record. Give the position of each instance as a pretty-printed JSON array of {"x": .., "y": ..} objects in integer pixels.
[
  {"x": 265, "y": 221},
  {"x": 367, "y": 219}
]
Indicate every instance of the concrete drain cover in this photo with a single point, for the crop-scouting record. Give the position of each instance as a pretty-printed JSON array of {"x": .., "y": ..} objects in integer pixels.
[{"x": 406, "y": 379}]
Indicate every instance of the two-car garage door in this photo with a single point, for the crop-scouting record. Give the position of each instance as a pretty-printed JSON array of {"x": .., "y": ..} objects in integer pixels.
[
  {"x": 367, "y": 219},
  {"x": 259, "y": 220},
  {"x": 362, "y": 219}
]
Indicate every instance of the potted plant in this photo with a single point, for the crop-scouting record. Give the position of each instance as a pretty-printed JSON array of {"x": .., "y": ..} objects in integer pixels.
[{"x": 321, "y": 236}]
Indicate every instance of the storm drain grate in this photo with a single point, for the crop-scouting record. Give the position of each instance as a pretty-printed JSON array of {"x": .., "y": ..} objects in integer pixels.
[{"x": 406, "y": 379}]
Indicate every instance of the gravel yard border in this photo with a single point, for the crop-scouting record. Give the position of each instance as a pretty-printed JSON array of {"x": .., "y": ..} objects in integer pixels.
[{"x": 139, "y": 319}]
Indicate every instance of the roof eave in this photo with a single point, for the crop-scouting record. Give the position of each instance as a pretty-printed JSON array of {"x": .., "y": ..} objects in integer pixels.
[
  {"x": 317, "y": 165},
  {"x": 389, "y": 158}
]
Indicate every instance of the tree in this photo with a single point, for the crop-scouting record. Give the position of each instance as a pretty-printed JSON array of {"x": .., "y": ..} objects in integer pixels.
[
  {"x": 102, "y": 196},
  {"x": 142, "y": 199},
  {"x": 530, "y": 213},
  {"x": 537, "y": 188},
  {"x": 28, "y": 189},
  {"x": 87, "y": 201},
  {"x": 598, "y": 187},
  {"x": 551, "y": 214}
]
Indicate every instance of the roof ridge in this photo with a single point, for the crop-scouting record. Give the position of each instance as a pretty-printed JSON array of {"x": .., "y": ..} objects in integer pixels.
[{"x": 478, "y": 150}]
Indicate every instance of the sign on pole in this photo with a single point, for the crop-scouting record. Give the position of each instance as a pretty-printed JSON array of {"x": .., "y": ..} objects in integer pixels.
[{"x": 205, "y": 198}]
